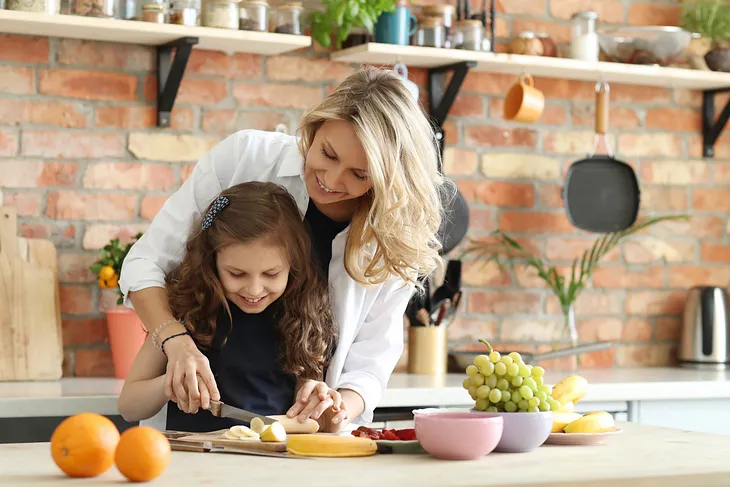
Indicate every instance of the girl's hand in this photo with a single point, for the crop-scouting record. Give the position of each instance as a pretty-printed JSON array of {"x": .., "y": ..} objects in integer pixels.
[{"x": 313, "y": 399}]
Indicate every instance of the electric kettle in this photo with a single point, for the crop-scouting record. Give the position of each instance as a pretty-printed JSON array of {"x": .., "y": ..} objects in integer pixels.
[{"x": 705, "y": 338}]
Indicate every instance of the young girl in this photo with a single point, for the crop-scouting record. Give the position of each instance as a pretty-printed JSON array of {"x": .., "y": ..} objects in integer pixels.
[{"x": 250, "y": 296}]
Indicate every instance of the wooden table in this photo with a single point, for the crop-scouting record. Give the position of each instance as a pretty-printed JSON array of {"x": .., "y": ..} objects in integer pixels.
[{"x": 641, "y": 456}]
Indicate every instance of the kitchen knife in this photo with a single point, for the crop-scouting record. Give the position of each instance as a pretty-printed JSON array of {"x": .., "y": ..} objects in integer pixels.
[
  {"x": 207, "y": 447},
  {"x": 223, "y": 410}
]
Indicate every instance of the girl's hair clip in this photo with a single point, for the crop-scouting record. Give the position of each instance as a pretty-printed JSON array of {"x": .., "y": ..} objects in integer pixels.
[{"x": 218, "y": 205}]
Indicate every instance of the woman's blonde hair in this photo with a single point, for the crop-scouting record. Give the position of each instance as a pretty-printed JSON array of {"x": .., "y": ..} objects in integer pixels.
[{"x": 398, "y": 220}]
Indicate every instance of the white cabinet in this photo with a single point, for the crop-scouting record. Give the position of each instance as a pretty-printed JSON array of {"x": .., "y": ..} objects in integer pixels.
[{"x": 705, "y": 416}]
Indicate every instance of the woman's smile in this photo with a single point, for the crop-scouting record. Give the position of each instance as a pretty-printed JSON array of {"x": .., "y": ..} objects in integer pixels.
[{"x": 325, "y": 188}]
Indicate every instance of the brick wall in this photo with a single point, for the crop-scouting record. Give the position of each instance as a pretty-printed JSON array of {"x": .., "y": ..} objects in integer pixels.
[{"x": 82, "y": 161}]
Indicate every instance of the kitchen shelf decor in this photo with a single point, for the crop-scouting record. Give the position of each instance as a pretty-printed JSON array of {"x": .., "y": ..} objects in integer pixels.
[
  {"x": 164, "y": 37},
  {"x": 439, "y": 59}
]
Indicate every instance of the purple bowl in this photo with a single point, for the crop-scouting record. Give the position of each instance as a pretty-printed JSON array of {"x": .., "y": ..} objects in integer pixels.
[{"x": 524, "y": 432}]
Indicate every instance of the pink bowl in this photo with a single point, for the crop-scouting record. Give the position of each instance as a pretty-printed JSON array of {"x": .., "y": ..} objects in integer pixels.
[{"x": 458, "y": 435}]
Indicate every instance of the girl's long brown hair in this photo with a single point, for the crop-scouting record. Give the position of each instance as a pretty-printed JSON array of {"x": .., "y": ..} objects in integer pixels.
[{"x": 304, "y": 317}]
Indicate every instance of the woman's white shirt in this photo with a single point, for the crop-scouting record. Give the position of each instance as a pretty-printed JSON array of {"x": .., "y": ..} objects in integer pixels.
[{"x": 370, "y": 318}]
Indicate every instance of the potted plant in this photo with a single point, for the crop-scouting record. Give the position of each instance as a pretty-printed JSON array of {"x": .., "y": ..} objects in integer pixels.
[
  {"x": 353, "y": 21},
  {"x": 566, "y": 288},
  {"x": 126, "y": 331},
  {"x": 710, "y": 19}
]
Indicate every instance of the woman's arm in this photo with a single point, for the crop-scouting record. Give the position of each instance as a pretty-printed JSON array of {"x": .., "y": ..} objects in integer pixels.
[{"x": 143, "y": 394}]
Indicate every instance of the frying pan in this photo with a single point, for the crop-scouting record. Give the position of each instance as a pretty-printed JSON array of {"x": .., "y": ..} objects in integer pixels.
[{"x": 601, "y": 193}]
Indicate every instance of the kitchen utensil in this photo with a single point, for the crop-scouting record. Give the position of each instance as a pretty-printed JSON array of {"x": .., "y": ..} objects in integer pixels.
[
  {"x": 458, "y": 435},
  {"x": 705, "y": 338},
  {"x": 646, "y": 44},
  {"x": 524, "y": 103},
  {"x": 451, "y": 284},
  {"x": 455, "y": 223},
  {"x": 601, "y": 193},
  {"x": 402, "y": 71},
  {"x": 214, "y": 442},
  {"x": 396, "y": 27},
  {"x": 466, "y": 358},
  {"x": 523, "y": 432},
  {"x": 31, "y": 349},
  {"x": 218, "y": 408},
  {"x": 581, "y": 438},
  {"x": 428, "y": 350}
]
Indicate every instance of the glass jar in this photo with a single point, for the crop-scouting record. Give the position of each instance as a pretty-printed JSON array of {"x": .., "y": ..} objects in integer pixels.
[
  {"x": 153, "y": 12},
  {"x": 52, "y": 7},
  {"x": 583, "y": 37},
  {"x": 526, "y": 44},
  {"x": 185, "y": 12},
  {"x": 287, "y": 19},
  {"x": 254, "y": 15},
  {"x": 446, "y": 13},
  {"x": 93, "y": 8},
  {"x": 549, "y": 49},
  {"x": 221, "y": 14},
  {"x": 430, "y": 32},
  {"x": 468, "y": 34}
]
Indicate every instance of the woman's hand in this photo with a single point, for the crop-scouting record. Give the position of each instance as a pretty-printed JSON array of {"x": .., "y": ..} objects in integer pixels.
[
  {"x": 314, "y": 399},
  {"x": 189, "y": 381}
]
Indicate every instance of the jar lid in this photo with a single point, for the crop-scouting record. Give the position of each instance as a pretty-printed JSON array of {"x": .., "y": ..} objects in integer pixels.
[
  {"x": 153, "y": 6},
  {"x": 443, "y": 8},
  {"x": 472, "y": 23},
  {"x": 588, "y": 14},
  {"x": 526, "y": 35},
  {"x": 291, "y": 6},
  {"x": 263, "y": 3},
  {"x": 542, "y": 35},
  {"x": 431, "y": 21}
]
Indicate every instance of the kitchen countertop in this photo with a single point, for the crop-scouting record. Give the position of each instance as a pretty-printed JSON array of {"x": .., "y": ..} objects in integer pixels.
[
  {"x": 72, "y": 395},
  {"x": 641, "y": 456}
]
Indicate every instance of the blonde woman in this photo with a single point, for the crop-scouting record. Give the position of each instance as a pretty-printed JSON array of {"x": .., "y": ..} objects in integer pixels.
[{"x": 364, "y": 176}]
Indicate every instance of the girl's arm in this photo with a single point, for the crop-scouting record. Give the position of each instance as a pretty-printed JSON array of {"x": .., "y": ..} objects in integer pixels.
[{"x": 143, "y": 394}]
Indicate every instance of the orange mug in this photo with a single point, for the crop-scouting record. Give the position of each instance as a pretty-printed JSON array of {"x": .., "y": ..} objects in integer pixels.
[{"x": 524, "y": 103}]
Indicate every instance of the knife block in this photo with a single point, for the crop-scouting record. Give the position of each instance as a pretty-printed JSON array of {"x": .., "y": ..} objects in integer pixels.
[{"x": 428, "y": 350}]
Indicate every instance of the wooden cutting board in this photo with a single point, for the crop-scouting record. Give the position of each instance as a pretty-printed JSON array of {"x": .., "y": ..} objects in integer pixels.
[
  {"x": 216, "y": 439},
  {"x": 30, "y": 347}
]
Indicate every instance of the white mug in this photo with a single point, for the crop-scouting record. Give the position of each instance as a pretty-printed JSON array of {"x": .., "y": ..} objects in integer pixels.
[{"x": 402, "y": 72}]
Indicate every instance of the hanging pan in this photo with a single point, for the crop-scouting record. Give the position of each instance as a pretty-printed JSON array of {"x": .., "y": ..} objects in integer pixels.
[{"x": 601, "y": 193}]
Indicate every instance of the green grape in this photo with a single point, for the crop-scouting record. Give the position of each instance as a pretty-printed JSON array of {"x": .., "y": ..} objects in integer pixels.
[
  {"x": 507, "y": 360},
  {"x": 481, "y": 404},
  {"x": 467, "y": 383},
  {"x": 526, "y": 392},
  {"x": 516, "y": 357},
  {"x": 477, "y": 380},
  {"x": 495, "y": 395},
  {"x": 492, "y": 409},
  {"x": 541, "y": 396},
  {"x": 533, "y": 402},
  {"x": 481, "y": 361},
  {"x": 530, "y": 382},
  {"x": 554, "y": 405},
  {"x": 546, "y": 389},
  {"x": 500, "y": 369},
  {"x": 544, "y": 406},
  {"x": 538, "y": 371},
  {"x": 515, "y": 395},
  {"x": 517, "y": 381},
  {"x": 513, "y": 370},
  {"x": 524, "y": 371},
  {"x": 494, "y": 357},
  {"x": 539, "y": 380},
  {"x": 533, "y": 410},
  {"x": 523, "y": 405},
  {"x": 473, "y": 392},
  {"x": 502, "y": 384},
  {"x": 482, "y": 392},
  {"x": 510, "y": 406},
  {"x": 506, "y": 396},
  {"x": 487, "y": 369},
  {"x": 472, "y": 370},
  {"x": 491, "y": 381}
]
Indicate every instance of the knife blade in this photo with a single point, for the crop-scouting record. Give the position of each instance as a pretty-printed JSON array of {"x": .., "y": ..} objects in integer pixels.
[
  {"x": 222, "y": 410},
  {"x": 208, "y": 447}
]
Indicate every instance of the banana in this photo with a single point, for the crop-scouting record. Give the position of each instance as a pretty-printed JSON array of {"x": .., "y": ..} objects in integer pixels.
[
  {"x": 568, "y": 407},
  {"x": 562, "y": 419},
  {"x": 240, "y": 432},
  {"x": 594, "y": 422},
  {"x": 571, "y": 389}
]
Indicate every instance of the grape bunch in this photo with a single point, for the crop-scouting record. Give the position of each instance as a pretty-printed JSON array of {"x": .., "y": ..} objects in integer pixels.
[{"x": 507, "y": 384}]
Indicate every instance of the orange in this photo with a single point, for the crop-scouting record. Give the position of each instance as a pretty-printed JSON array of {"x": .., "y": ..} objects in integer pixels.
[
  {"x": 106, "y": 273},
  {"x": 143, "y": 453},
  {"x": 83, "y": 445}
]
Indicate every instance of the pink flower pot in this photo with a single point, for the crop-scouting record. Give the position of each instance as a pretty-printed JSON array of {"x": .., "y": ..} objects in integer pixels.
[{"x": 126, "y": 335}]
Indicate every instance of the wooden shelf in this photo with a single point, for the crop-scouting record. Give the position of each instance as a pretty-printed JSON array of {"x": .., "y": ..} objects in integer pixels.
[
  {"x": 429, "y": 57},
  {"x": 146, "y": 33}
]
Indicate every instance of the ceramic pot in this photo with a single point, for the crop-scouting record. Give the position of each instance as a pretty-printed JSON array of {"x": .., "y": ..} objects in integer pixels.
[
  {"x": 126, "y": 336},
  {"x": 718, "y": 59}
]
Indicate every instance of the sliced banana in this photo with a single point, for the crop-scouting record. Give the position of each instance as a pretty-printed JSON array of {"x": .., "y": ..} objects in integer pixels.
[
  {"x": 257, "y": 425},
  {"x": 242, "y": 432}
]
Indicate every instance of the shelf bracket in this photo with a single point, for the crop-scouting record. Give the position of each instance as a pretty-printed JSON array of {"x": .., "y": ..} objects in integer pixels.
[
  {"x": 441, "y": 96},
  {"x": 169, "y": 75},
  {"x": 712, "y": 129}
]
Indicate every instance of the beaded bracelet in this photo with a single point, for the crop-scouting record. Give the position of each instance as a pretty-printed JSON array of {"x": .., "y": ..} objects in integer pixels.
[
  {"x": 155, "y": 334},
  {"x": 162, "y": 347}
]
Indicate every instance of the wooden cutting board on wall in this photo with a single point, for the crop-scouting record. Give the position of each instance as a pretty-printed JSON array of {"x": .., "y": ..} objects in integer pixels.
[{"x": 30, "y": 346}]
